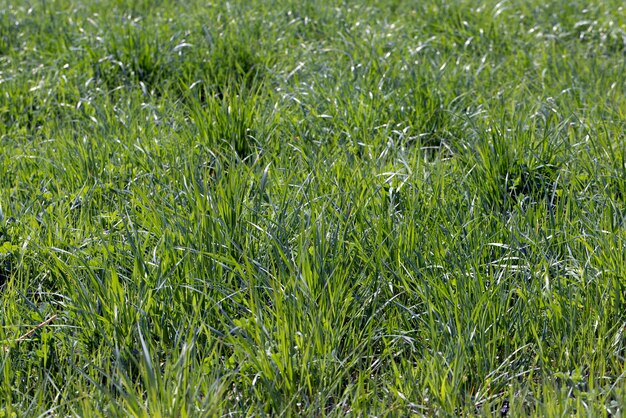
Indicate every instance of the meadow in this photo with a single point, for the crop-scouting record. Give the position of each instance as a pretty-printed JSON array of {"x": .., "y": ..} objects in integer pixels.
[{"x": 312, "y": 208}]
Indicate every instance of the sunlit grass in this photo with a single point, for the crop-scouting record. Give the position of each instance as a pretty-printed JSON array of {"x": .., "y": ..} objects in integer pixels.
[{"x": 312, "y": 208}]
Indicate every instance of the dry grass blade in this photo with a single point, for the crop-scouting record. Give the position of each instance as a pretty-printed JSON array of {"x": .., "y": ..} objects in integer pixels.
[{"x": 30, "y": 333}]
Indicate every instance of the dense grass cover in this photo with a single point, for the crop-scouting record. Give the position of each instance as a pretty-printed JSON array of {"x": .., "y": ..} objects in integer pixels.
[{"x": 321, "y": 208}]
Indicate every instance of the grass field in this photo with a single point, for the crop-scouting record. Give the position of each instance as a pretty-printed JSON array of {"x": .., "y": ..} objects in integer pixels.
[{"x": 312, "y": 208}]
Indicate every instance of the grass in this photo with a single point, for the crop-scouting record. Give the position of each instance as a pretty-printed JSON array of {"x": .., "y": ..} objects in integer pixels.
[{"x": 316, "y": 208}]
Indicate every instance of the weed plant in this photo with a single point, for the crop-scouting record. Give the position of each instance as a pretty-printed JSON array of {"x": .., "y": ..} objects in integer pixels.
[{"x": 312, "y": 208}]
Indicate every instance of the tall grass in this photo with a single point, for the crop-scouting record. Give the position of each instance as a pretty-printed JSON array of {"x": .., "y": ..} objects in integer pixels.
[{"x": 312, "y": 208}]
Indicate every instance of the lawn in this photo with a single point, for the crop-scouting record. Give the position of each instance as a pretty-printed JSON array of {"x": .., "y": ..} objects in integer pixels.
[{"x": 312, "y": 208}]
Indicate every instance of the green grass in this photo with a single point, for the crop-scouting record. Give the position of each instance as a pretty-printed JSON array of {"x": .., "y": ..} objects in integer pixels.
[{"x": 315, "y": 208}]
